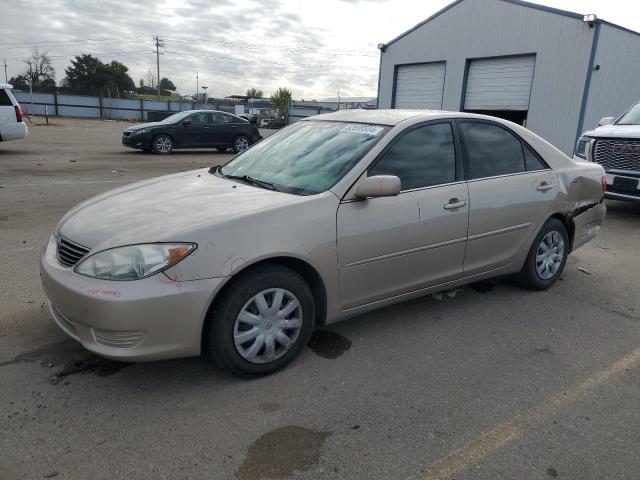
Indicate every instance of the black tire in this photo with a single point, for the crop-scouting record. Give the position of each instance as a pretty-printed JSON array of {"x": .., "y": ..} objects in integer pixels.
[
  {"x": 238, "y": 141},
  {"x": 529, "y": 277},
  {"x": 222, "y": 149},
  {"x": 162, "y": 144},
  {"x": 219, "y": 331}
]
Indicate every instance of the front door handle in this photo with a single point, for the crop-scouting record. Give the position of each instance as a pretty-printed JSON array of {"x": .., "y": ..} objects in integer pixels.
[
  {"x": 454, "y": 203},
  {"x": 544, "y": 186}
]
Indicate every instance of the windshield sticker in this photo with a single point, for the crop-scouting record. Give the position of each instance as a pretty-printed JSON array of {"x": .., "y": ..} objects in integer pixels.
[{"x": 371, "y": 130}]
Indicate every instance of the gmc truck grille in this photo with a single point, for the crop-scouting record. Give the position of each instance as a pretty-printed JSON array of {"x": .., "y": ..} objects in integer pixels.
[{"x": 617, "y": 154}]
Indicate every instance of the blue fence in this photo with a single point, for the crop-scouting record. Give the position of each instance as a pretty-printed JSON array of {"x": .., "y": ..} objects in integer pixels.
[{"x": 95, "y": 107}]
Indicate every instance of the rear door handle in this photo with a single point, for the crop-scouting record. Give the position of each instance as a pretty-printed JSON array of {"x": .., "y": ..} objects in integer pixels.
[
  {"x": 544, "y": 186},
  {"x": 455, "y": 203}
]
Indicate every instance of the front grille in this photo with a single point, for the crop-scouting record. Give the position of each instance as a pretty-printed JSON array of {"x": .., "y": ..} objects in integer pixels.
[
  {"x": 606, "y": 155},
  {"x": 69, "y": 253}
]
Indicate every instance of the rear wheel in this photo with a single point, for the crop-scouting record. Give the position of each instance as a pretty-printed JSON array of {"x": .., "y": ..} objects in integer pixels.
[
  {"x": 547, "y": 257},
  {"x": 163, "y": 144},
  {"x": 261, "y": 322},
  {"x": 240, "y": 144}
]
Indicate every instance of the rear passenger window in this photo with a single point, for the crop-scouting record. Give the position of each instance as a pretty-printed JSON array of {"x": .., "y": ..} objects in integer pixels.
[
  {"x": 4, "y": 99},
  {"x": 531, "y": 160},
  {"x": 219, "y": 118},
  {"x": 492, "y": 150},
  {"x": 421, "y": 158}
]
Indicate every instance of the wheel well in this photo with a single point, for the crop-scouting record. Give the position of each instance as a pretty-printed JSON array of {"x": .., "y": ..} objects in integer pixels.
[
  {"x": 569, "y": 225},
  {"x": 302, "y": 268}
]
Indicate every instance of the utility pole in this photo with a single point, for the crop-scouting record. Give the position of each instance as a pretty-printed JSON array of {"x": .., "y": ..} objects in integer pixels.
[
  {"x": 197, "y": 87},
  {"x": 5, "y": 71},
  {"x": 159, "y": 45}
]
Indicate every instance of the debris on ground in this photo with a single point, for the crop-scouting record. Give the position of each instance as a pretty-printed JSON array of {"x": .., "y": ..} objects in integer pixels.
[{"x": 584, "y": 270}]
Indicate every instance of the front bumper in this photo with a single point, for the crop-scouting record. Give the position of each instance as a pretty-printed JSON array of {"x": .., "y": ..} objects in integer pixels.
[
  {"x": 154, "y": 318},
  {"x": 136, "y": 141},
  {"x": 626, "y": 194}
]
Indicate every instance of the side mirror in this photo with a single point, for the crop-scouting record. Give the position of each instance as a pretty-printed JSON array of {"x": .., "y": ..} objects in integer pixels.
[
  {"x": 378, "y": 186},
  {"x": 186, "y": 123},
  {"x": 606, "y": 121}
]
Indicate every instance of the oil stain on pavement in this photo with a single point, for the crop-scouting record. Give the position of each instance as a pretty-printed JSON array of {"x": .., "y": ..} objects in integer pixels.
[
  {"x": 328, "y": 344},
  {"x": 281, "y": 452},
  {"x": 50, "y": 353},
  {"x": 101, "y": 367},
  {"x": 73, "y": 358}
]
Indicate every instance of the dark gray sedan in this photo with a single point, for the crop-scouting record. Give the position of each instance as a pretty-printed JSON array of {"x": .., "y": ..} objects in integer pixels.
[{"x": 193, "y": 129}]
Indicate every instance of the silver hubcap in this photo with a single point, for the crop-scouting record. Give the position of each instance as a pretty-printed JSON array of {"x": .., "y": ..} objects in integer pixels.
[
  {"x": 242, "y": 144},
  {"x": 549, "y": 255},
  {"x": 267, "y": 325},
  {"x": 163, "y": 144}
]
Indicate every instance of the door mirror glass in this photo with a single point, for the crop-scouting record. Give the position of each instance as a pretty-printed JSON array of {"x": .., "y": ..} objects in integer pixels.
[
  {"x": 606, "y": 121},
  {"x": 378, "y": 186},
  {"x": 186, "y": 123}
]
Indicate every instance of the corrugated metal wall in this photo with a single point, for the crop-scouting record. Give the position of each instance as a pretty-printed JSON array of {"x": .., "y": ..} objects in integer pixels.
[
  {"x": 616, "y": 85},
  {"x": 487, "y": 28}
]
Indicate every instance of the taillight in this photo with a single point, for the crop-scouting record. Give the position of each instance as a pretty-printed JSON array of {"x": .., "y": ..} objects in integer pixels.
[
  {"x": 18, "y": 113},
  {"x": 604, "y": 183}
]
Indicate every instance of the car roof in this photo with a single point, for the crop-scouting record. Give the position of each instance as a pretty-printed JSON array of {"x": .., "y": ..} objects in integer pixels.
[{"x": 391, "y": 117}]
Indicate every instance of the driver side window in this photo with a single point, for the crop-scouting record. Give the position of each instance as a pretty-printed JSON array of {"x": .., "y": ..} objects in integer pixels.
[{"x": 421, "y": 158}]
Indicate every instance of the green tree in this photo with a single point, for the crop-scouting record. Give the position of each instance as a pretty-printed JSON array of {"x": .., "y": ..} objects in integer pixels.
[
  {"x": 141, "y": 83},
  {"x": 19, "y": 82},
  {"x": 281, "y": 99},
  {"x": 87, "y": 72},
  {"x": 254, "y": 93},
  {"x": 39, "y": 72},
  {"x": 167, "y": 84}
]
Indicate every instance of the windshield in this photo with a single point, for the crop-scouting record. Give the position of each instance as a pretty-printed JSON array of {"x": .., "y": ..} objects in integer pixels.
[
  {"x": 307, "y": 157},
  {"x": 176, "y": 117},
  {"x": 631, "y": 116}
]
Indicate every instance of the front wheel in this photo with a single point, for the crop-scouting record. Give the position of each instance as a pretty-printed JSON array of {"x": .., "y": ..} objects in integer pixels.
[
  {"x": 547, "y": 257},
  {"x": 163, "y": 144},
  {"x": 240, "y": 144},
  {"x": 261, "y": 322}
]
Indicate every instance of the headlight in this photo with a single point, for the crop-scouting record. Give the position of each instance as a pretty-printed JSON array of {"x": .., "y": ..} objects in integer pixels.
[
  {"x": 141, "y": 131},
  {"x": 582, "y": 147},
  {"x": 134, "y": 261}
]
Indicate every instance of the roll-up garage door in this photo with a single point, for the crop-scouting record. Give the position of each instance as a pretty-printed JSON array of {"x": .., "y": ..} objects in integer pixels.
[
  {"x": 420, "y": 86},
  {"x": 499, "y": 83}
]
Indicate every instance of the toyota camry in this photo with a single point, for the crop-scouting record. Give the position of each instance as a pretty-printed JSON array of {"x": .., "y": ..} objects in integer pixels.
[{"x": 330, "y": 217}]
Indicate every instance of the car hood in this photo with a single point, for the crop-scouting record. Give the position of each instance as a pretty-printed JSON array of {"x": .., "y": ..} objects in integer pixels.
[
  {"x": 164, "y": 209},
  {"x": 140, "y": 126},
  {"x": 615, "y": 131}
]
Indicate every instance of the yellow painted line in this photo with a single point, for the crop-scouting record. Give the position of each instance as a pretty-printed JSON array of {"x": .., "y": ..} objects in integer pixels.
[{"x": 512, "y": 429}]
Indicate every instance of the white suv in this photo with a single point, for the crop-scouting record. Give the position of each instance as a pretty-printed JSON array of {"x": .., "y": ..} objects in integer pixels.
[
  {"x": 615, "y": 145},
  {"x": 11, "y": 125}
]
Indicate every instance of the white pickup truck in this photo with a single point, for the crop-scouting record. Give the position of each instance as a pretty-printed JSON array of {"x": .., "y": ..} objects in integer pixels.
[
  {"x": 12, "y": 127},
  {"x": 615, "y": 145}
]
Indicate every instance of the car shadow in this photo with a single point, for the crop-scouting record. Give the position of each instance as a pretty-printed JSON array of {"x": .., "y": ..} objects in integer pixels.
[{"x": 622, "y": 210}]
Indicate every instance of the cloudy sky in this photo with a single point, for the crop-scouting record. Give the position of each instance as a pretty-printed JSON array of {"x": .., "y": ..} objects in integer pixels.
[{"x": 314, "y": 47}]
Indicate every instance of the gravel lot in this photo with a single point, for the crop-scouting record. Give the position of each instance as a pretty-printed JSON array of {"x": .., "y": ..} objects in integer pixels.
[{"x": 495, "y": 382}]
